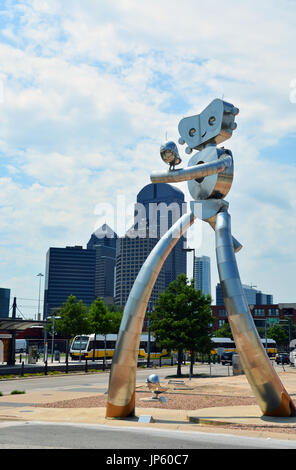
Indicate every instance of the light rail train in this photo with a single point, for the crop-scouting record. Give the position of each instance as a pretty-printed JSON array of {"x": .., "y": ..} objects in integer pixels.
[
  {"x": 83, "y": 347},
  {"x": 229, "y": 346}
]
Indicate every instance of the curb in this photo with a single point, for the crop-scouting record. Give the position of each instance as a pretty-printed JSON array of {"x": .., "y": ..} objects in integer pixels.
[{"x": 208, "y": 422}]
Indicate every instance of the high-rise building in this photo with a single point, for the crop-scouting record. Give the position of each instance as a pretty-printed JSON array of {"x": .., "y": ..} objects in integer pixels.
[
  {"x": 86, "y": 273},
  {"x": 164, "y": 204},
  {"x": 4, "y": 302},
  {"x": 264, "y": 299},
  {"x": 103, "y": 241},
  {"x": 202, "y": 274},
  {"x": 69, "y": 271},
  {"x": 253, "y": 296},
  {"x": 130, "y": 255},
  {"x": 158, "y": 207},
  {"x": 103, "y": 236}
]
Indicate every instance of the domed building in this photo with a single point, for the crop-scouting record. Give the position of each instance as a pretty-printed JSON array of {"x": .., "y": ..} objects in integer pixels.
[{"x": 158, "y": 207}]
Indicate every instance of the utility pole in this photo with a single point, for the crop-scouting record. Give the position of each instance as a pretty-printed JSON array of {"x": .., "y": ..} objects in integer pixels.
[{"x": 11, "y": 358}]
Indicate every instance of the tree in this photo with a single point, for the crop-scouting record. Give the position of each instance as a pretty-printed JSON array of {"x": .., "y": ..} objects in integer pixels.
[
  {"x": 182, "y": 319},
  {"x": 224, "y": 332},
  {"x": 102, "y": 321},
  {"x": 73, "y": 318},
  {"x": 279, "y": 334}
]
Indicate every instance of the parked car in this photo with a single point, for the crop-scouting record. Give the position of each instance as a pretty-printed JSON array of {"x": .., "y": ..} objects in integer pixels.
[
  {"x": 226, "y": 358},
  {"x": 282, "y": 358}
]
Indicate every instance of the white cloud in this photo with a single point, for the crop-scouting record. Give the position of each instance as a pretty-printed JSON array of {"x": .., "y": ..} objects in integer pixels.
[{"x": 90, "y": 91}]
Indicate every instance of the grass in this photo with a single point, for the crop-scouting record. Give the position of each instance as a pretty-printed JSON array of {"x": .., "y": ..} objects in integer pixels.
[{"x": 41, "y": 374}]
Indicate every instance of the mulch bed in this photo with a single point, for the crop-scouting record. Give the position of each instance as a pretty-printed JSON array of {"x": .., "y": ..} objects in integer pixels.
[
  {"x": 178, "y": 401},
  {"x": 174, "y": 401}
]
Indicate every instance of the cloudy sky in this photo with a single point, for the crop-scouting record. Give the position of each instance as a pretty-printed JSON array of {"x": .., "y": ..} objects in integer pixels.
[{"x": 90, "y": 89}]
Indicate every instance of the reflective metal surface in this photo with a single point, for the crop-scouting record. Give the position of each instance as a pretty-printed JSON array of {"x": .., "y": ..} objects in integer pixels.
[
  {"x": 193, "y": 172},
  {"x": 209, "y": 176},
  {"x": 170, "y": 154},
  {"x": 122, "y": 381},
  {"x": 153, "y": 382},
  {"x": 217, "y": 185},
  {"x": 267, "y": 387},
  {"x": 214, "y": 125},
  {"x": 154, "y": 385},
  {"x": 207, "y": 211}
]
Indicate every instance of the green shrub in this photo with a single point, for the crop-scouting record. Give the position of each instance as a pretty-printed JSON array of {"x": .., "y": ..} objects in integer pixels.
[{"x": 17, "y": 392}]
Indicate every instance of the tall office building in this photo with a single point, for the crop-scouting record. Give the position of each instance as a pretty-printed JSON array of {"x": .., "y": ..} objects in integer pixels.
[
  {"x": 164, "y": 205},
  {"x": 202, "y": 274},
  {"x": 103, "y": 236},
  {"x": 158, "y": 207},
  {"x": 130, "y": 255},
  {"x": 69, "y": 271},
  {"x": 86, "y": 273},
  {"x": 4, "y": 302},
  {"x": 264, "y": 299},
  {"x": 253, "y": 296},
  {"x": 103, "y": 241}
]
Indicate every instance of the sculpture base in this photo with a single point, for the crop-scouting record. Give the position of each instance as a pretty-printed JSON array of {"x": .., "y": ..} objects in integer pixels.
[
  {"x": 285, "y": 410},
  {"x": 126, "y": 411}
]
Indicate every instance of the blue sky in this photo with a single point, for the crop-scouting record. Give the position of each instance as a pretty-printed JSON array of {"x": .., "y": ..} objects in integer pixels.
[{"x": 90, "y": 89}]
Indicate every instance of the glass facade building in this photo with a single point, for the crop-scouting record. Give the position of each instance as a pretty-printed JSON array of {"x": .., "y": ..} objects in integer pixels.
[
  {"x": 86, "y": 273},
  {"x": 158, "y": 207},
  {"x": 69, "y": 271},
  {"x": 254, "y": 296},
  {"x": 130, "y": 256},
  {"x": 103, "y": 241},
  {"x": 202, "y": 274},
  {"x": 164, "y": 204},
  {"x": 4, "y": 302}
]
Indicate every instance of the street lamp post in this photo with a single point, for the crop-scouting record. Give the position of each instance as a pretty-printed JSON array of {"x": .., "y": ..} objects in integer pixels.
[
  {"x": 193, "y": 250},
  {"x": 149, "y": 343},
  {"x": 53, "y": 333},
  {"x": 40, "y": 275}
]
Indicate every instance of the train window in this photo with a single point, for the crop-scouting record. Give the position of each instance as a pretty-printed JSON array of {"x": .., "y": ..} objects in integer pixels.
[{"x": 80, "y": 343}]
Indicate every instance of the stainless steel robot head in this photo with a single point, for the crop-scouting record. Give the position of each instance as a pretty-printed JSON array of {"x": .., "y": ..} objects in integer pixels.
[
  {"x": 170, "y": 154},
  {"x": 213, "y": 126},
  {"x": 153, "y": 382},
  {"x": 154, "y": 385}
]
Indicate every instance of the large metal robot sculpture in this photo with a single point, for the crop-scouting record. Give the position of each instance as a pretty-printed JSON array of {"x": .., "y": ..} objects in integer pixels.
[{"x": 209, "y": 175}]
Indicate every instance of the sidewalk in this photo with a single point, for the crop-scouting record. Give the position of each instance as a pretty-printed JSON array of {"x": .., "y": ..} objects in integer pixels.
[{"x": 243, "y": 419}]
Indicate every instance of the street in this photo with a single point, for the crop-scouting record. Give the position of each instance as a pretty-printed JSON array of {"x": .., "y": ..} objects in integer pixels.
[
  {"x": 37, "y": 435},
  {"x": 101, "y": 379},
  {"x": 54, "y": 435},
  {"x": 72, "y": 381}
]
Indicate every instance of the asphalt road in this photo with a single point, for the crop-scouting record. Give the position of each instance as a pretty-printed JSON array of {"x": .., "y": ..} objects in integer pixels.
[
  {"x": 72, "y": 381},
  {"x": 37, "y": 435}
]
